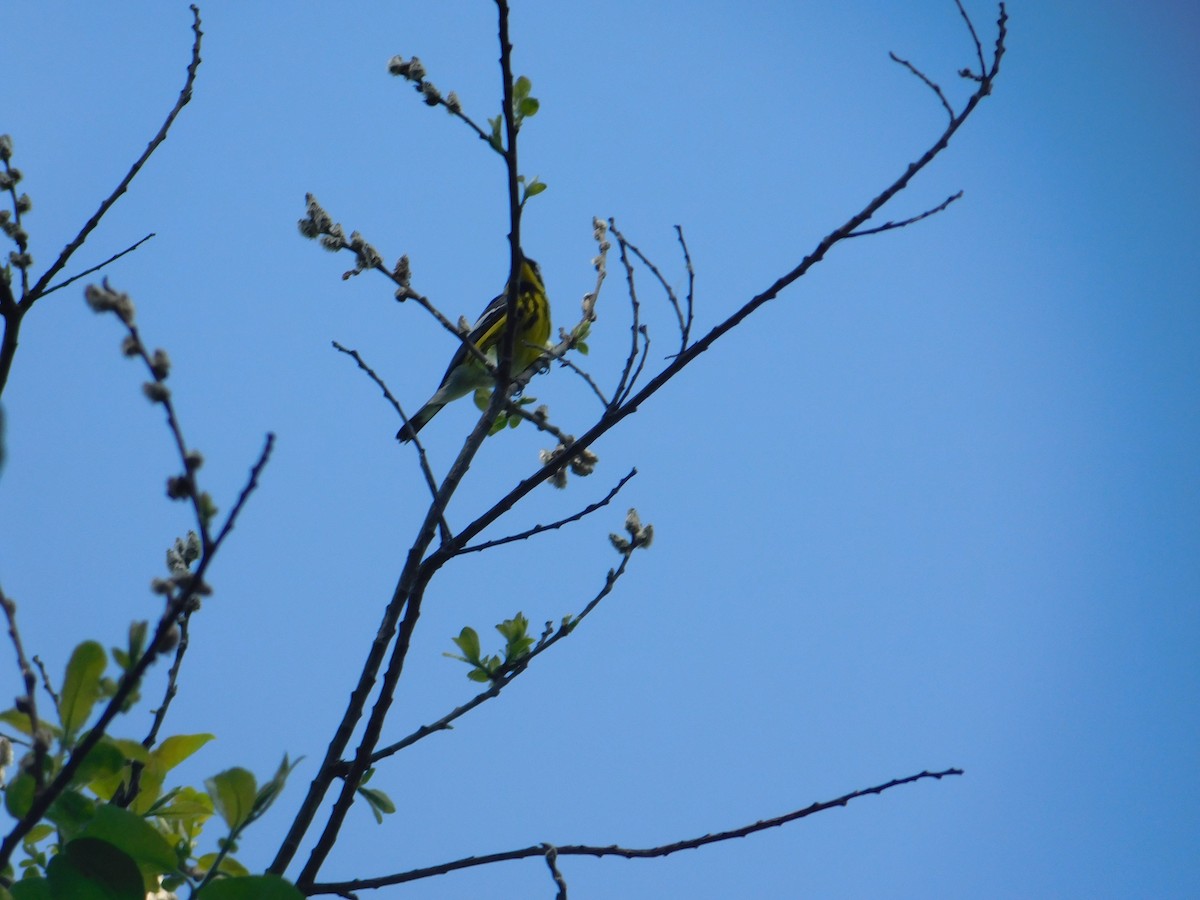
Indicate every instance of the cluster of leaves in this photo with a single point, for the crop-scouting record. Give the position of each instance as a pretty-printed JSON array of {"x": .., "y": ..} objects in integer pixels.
[
  {"x": 517, "y": 643},
  {"x": 114, "y": 832}
]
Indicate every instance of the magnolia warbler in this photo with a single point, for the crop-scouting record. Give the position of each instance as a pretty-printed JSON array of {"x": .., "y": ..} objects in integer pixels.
[{"x": 465, "y": 373}]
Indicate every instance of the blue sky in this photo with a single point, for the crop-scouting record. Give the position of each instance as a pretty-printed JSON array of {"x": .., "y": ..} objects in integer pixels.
[{"x": 935, "y": 506}]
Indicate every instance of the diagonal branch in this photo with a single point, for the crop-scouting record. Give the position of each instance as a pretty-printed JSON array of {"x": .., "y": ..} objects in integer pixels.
[
  {"x": 27, "y": 702},
  {"x": 932, "y": 85},
  {"x": 538, "y": 529},
  {"x": 888, "y": 226},
  {"x": 344, "y": 887},
  {"x": 422, "y": 458},
  {"x": 97, "y": 268}
]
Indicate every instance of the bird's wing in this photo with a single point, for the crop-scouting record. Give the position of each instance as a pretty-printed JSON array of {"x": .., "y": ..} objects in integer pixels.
[{"x": 483, "y": 334}]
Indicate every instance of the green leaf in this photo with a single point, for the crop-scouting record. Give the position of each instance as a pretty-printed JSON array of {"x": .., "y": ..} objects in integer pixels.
[
  {"x": 535, "y": 188},
  {"x": 228, "y": 865},
  {"x": 380, "y": 803},
  {"x": 71, "y": 811},
  {"x": 36, "y": 833},
  {"x": 133, "y": 751},
  {"x": 521, "y": 88},
  {"x": 468, "y": 643},
  {"x": 81, "y": 686},
  {"x": 178, "y": 747},
  {"x": 185, "y": 804},
  {"x": 92, "y": 869},
  {"x": 126, "y": 659},
  {"x": 527, "y": 107},
  {"x": 254, "y": 887},
  {"x": 495, "y": 138},
  {"x": 208, "y": 509},
  {"x": 582, "y": 347},
  {"x": 18, "y": 720},
  {"x": 132, "y": 835},
  {"x": 233, "y": 792},
  {"x": 269, "y": 791},
  {"x": 102, "y": 762},
  {"x": 18, "y": 795}
]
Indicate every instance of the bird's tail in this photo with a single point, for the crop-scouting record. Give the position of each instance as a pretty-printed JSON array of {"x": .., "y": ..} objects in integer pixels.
[{"x": 419, "y": 421}]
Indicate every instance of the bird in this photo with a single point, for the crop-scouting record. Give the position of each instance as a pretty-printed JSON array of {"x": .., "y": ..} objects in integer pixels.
[{"x": 466, "y": 374}]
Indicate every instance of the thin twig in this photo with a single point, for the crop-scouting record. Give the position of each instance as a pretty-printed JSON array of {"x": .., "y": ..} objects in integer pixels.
[
  {"x": 422, "y": 458},
  {"x": 511, "y": 408},
  {"x": 29, "y": 698},
  {"x": 637, "y": 372},
  {"x": 128, "y": 791},
  {"x": 685, "y": 321},
  {"x": 86, "y": 272},
  {"x": 37, "y": 661},
  {"x": 635, "y": 309},
  {"x": 888, "y": 226},
  {"x": 975, "y": 37},
  {"x": 932, "y": 85},
  {"x": 363, "y": 884},
  {"x": 586, "y": 377},
  {"x": 160, "y": 714},
  {"x": 538, "y": 529},
  {"x": 691, "y": 294},
  {"x": 251, "y": 486}
]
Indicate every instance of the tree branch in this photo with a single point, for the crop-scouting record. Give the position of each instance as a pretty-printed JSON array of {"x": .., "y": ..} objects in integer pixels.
[
  {"x": 360, "y": 884},
  {"x": 888, "y": 226},
  {"x": 538, "y": 529},
  {"x": 97, "y": 268}
]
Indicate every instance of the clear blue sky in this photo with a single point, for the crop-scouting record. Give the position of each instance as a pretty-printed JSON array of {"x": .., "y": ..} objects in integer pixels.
[{"x": 936, "y": 506}]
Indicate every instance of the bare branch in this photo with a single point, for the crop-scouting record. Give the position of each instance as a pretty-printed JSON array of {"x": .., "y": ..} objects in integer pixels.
[
  {"x": 586, "y": 377},
  {"x": 888, "y": 226},
  {"x": 37, "y": 661},
  {"x": 422, "y": 458},
  {"x": 634, "y": 330},
  {"x": 691, "y": 294},
  {"x": 685, "y": 320},
  {"x": 538, "y": 529},
  {"x": 27, "y": 702},
  {"x": 614, "y": 850},
  {"x": 975, "y": 37},
  {"x": 87, "y": 272},
  {"x": 160, "y": 714},
  {"x": 932, "y": 85},
  {"x": 641, "y": 364},
  {"x": 128, "y": 791},
  {"x": 251, "y": 486}
]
